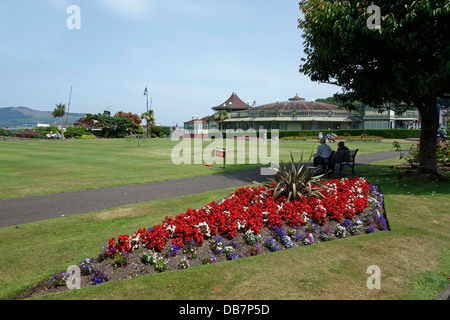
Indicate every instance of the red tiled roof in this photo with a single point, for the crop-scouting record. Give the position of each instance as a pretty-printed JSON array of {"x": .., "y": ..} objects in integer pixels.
[
  {"x": 236, "y": 104},
  {"x": 298, "y": 105}
]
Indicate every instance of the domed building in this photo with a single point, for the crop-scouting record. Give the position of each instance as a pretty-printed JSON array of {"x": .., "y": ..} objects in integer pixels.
[{"x": 294, "y": 114}]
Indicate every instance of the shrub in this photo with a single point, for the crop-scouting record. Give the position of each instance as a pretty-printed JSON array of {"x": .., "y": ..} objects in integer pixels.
[
  {"x": 88, "y": 136},
  {"x": 165, "y": 131},
  {"x": 297, "y": 183},
  {"x": 47, "y": 130},
  {"x": 413, "y": 157},
  {"x": 72, "y": 132},
  {"x": 157, "y": 130}
]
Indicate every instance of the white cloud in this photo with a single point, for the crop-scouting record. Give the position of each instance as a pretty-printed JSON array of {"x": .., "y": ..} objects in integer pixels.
[{"x": 128, "y": 8}]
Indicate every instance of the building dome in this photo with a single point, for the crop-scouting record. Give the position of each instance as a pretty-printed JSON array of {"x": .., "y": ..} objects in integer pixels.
[{"x": 297, "y": 105}]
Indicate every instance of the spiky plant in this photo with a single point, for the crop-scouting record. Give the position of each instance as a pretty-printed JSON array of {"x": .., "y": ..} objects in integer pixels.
[{"x": 297, "y": 182}]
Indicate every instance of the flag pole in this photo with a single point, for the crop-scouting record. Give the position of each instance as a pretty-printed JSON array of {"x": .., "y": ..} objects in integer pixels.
[{"x": 68, "y": 107}]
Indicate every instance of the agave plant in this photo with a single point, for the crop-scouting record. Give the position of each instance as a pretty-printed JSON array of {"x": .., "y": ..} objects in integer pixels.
[{"x": 297, "y": 182}]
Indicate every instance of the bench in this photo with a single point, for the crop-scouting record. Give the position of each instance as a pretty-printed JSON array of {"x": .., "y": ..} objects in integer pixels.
[
  {"x": 324, "y": 167},
  {"x": 345, "y": 159}
]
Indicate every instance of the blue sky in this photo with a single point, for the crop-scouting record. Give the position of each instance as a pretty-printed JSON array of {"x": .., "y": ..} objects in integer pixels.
[{"x": 191, "y": 54}]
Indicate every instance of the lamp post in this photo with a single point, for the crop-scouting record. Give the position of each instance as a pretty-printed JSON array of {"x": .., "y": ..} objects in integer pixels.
[{"x": 146, "y": 94}]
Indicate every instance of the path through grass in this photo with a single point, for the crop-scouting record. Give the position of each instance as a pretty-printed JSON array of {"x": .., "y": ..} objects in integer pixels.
[{"x": 37, "y": 167}]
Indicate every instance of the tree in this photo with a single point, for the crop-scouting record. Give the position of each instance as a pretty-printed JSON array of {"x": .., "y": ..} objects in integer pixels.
[
  {"x": 59, "y": 112},
  {"x": 109, "y": 123},
  {"x": 136, "y": 120},
  {"x": 221, "y": 116},
  {"x": 352, "y": 105},
  {"x": 149, "y": 117},
  {"x": 402, "y": 63}
]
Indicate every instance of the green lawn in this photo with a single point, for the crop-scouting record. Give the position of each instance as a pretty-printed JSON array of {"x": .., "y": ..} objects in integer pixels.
[
  {"x": 37, "y": 167},
  {"x": 413, "y": 257}
]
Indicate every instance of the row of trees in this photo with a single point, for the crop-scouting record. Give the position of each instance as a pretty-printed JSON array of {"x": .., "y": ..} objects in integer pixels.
[{"x": 121, "y": 123}]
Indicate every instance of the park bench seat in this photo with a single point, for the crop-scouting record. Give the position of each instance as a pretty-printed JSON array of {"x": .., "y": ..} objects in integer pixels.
[{"x": 345, "y": 159}]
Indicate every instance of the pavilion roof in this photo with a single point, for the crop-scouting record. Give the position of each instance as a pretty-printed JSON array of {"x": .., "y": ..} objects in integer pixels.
[{"x": 233, "y": 103}]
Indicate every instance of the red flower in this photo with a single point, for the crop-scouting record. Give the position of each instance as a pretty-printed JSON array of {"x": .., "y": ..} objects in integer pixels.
[{"x": 250, "y": 208}]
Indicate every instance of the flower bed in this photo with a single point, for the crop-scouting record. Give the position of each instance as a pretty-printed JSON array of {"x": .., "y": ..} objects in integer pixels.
[{"x": 246, "y": 223}]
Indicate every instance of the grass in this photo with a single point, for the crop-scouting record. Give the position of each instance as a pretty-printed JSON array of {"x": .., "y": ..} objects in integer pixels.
[
  {"x": 36, "y": 167},
  {"x": 414, "y": 257}
]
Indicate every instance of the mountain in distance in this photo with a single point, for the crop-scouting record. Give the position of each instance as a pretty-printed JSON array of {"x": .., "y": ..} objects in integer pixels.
[{"x": 24, "y": 118}]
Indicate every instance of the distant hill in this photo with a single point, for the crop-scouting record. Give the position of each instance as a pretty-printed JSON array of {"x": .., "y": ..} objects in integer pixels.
[{"x": 23, "y": 117}]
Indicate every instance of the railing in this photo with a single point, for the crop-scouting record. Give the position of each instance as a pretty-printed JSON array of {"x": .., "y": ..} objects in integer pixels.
[{"x": 294, "y": 113}]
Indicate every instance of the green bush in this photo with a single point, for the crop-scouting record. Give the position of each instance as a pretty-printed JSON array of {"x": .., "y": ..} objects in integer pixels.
[
  {"x": 72, "y": 132},
  {"x": 4, "y": 132},
  {"x": 139, "y": 130},
  {"x": 166, "y": 131},
  {"x": 88, "y": 136},
  {"x": 156, "y": 130},
  {"x": 47, "y": 130}
]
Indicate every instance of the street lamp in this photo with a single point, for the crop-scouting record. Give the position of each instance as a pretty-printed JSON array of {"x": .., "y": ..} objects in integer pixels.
[{"x": 146, "y": 94}]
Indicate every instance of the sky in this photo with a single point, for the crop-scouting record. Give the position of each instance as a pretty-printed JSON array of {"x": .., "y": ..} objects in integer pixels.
[{"x": 191, "y": 54}]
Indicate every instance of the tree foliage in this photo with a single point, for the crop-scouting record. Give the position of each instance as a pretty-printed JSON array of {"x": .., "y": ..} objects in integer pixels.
[
  {"x": 111, "y": 124},
  {"x": 59, "y": 112},
  {"x": 221, "y": 116},
  {"x": 135, "y": 119},
  {"x": 404, "y": 63},
  {"x": 150, "y": 118}
]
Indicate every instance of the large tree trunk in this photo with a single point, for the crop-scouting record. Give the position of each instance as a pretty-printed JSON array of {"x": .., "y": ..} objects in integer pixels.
[{"x": 428, "y": 134}]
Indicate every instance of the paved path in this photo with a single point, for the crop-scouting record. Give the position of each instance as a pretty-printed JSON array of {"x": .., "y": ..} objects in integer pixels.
[{"x": 30, "y": 209}]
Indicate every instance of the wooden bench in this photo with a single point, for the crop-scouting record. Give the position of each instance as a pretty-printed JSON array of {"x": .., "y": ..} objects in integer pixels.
[
  {"x": 324, "y": 167},
  {"x": 345, "y": 159}
]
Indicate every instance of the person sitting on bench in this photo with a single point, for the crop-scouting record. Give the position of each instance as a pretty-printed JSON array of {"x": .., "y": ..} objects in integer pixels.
[
  {"x": 323, "y": 153},
  {"x": 342, "y": 154}
]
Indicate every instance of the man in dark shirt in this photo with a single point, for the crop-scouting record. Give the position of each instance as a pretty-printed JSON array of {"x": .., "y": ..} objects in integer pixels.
[{"x": 342, "y": 154}]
